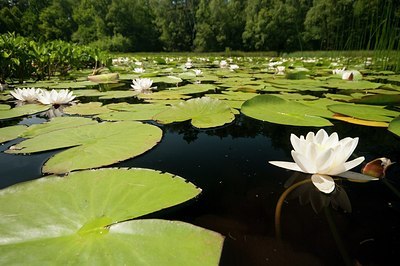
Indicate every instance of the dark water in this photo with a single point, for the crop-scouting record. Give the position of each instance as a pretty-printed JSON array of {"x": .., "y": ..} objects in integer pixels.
[{"x": 241, "y": 190}]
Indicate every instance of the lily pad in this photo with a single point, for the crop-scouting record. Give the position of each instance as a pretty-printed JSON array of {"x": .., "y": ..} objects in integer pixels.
[
  {"x": 194, "y": 88},
  {"x": 362, "y": 122},
  {"x": 91, "y": 146},
  {"x": 86, "y": 217},
  {"x": 12, "y": 132},
  {"x": 23, "y": 110},
  {"x": 104, "y": 78},
  {"x": 203, "y": 112},
  {"x": 394, "y": 126},
  {"x": 366, "y": 112},
  {"x": 274, "y": 109},
  {"x": 92, "y": 108},
  {"x": 132, "y": 111},
  {"x": 56, "y": 123}
]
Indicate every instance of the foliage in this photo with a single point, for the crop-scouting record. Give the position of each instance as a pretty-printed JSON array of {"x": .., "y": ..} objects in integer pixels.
[{"x": 22, "y": 58}]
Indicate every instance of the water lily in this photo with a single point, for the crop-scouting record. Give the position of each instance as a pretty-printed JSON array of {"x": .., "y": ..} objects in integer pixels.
[
  {"x": 233, "y": 67},
  {"x": 139, "y": 70},
  {"x": 55, "y": 97},
  {"x": 280, "y": 70},
  {"x": 322, "y": 156},
  {"x": 142, "y": 85},
  {"x": 223, "y": 64},
  {"x": 188, "y": 64},
  {"x": 198, "y": 72},
  {"x": 377, "y": 168},
  {"x": 28, "y": 95}
]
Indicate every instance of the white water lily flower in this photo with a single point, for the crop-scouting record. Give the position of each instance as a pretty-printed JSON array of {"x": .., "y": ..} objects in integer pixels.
[
  {"x": 322, "y": 156},
  {"x": 280, "y": 70},
  {"x": 223, "y": 64},
  {"x": 233, "y": 67},
  {"x": 28, "y": 95},
  {"x": 338, "y": 71},
  {"x": 139, "y": 70},
  {"x": 188, "y": 64},
  {"x": 142, "y": 85},
  {"x": 56, "y": 97},
  {"x": 198, "y": 72}
]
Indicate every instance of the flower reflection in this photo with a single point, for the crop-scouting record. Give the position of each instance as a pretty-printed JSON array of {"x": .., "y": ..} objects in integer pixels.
[
  {"x": 309, "y": 194},
  {"x": 53, "y": 112}
]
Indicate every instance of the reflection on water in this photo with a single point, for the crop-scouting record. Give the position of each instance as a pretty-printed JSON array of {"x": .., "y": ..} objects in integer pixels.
[{"x": 241, "y": 191}]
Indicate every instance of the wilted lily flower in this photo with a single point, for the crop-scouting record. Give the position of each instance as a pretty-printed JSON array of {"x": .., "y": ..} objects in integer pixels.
[
  {"x": 377, "y": 167},
  {"x": 322, "y": 156},
  {"x": 56, "y": 97},
  {"x": 347, "y": 75},
  {"x": 142, "y": 85},
  {"x": 28, "y": 95}
]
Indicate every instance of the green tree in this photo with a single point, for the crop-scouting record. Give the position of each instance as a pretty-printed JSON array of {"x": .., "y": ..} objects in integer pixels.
[
  {"x": 56, "y": 20},
  {"x": 176, "y": 23}
]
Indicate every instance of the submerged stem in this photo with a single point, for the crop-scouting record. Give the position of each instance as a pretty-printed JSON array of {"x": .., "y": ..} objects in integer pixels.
[
  {"x": 278, "y": 209},
  {"x": 337, "y": 238}
]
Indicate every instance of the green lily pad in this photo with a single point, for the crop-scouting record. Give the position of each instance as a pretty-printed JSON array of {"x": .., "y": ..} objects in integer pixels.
[
  {"x": 167, "y": 79},
  {"x": 86, "y": 217},
  {"x": 56, "y": 123},
  {"x": 27, "y": 109},
  {"x": 104, "y": 78},
  {"x": 274, "y": 109},
  {"x": 163, "y": 95},
  {"x": 10, "y": 133},
  {"x": 194, "y": 88},
  {"x": 352, "y": 85},
  {"x": 394, "y": 126},
  {"x": 88, "y": 93},
  {"x": 366, "y": 112},
  {"x": 118, "y": 94},
  {"x": 132, "y": 111},
  {"x": 92, "y": 108},
  {"x": 203, "y": 112},
  {"x": 379, "y": 99},
  {"x": 72, "y": 85},
  {"x": 91, "y": 146}
]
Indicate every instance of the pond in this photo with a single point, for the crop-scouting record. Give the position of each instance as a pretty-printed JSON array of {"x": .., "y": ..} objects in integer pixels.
[{"x": 241, "y": 191}]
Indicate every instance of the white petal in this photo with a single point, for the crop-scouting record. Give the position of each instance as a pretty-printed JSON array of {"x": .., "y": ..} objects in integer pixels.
[
  {"x": 310, "y": 137},
  {"x": 324, "y": 183},
  {"x": 295, "y": 142},
  {"x": 346, "y": 166},
  {"x": 325, "y": 161},
  {"x": 321, "y": 136},
  {"x": 332, "y": 141},
  {"x": 286, "y": 165},
  {"x": 305, "y": 164}
]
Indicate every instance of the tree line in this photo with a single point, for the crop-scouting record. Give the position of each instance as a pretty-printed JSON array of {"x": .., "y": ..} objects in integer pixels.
[{"x": 208, "y": 25}]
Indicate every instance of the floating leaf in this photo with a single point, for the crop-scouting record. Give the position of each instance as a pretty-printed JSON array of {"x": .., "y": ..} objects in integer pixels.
[
  {"x": 203, "y": 112},
  {"x": 23, "y": 110},
  {"x": 104, "y": 78},
  {"x": 194, "y": 88},
  {"x": 86, "y": 217},
  {"x": 118, "y": 94},
  {"x": 92, "y": 108},
  {"x": 394, "y": 126},
  {"x": 379, "y": 99},
  {"x": 366, "y": 112},
  {"x": 91, "y": 146},
  {"x": 12, "y": 132},
  {"x": 362, "y": 122},
  {"x": 132, "y": 111},
  {"x": 56, "y": 123},
  {"x": 277, "y": 110}
]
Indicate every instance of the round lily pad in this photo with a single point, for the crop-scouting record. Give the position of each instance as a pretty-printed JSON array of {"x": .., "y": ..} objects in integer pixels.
[
  {"x": 23, "y": 110},
  {"x": 12, "y": 132},
  {"x": 203, "y": 112},
  {"x": 86, "y": 217},
  {"x": 274, "y": 109},
  {"x": 91, "y": 146}
]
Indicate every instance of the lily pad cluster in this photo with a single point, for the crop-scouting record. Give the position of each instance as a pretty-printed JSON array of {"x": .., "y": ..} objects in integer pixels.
[{"x": 91, "y": 213}]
